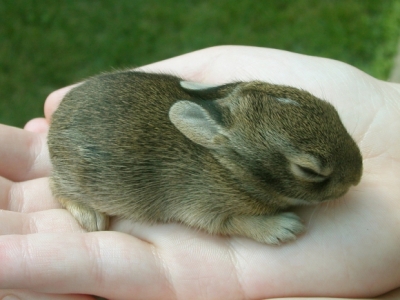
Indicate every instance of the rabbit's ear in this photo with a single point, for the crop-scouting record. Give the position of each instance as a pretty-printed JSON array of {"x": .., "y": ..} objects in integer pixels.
[
  {"x": 196, "y": 86},
  {"x": 205, "y": 91},
  {"x": 197, "y": 124}
]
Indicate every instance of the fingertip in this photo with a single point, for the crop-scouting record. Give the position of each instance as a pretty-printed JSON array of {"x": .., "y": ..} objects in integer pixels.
[
  {"x": 38, "y": 125},
  {"x": 54, "y": 100}
]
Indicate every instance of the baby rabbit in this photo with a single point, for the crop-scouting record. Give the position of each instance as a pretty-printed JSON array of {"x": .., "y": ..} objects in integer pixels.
[{"x": 226, "y": 159}]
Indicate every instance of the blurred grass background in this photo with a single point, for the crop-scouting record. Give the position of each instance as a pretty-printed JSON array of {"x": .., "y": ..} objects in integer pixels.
[{"x": 46, "y": 44}]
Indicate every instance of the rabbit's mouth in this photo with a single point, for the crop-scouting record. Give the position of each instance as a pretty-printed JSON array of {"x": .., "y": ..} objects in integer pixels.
[
  {"x": 297, "y": 201},
  {"x": 322, "y": 199}
]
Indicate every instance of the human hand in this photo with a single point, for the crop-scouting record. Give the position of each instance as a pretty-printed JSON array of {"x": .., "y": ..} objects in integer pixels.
[{"x": 350, "y": 248}]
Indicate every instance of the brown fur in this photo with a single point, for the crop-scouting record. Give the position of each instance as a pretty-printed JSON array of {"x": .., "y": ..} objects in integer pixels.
[{"x": 226, "y": 159}]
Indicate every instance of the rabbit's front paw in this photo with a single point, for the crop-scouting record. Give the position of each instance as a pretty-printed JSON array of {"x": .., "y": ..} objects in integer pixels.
[
  {"x": 282, "y": 228},
  {"x": 275, "y": 229}
]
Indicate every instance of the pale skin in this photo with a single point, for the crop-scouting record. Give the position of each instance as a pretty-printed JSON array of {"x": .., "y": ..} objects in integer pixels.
[{"x": 350, "y": 249}]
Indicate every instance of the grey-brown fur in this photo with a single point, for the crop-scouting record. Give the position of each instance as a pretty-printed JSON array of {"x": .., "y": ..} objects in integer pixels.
[{"x": 225, "y": 159}]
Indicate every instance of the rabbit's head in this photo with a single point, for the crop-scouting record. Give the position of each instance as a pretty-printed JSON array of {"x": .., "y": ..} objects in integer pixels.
[{"x": 272, "y": 138}]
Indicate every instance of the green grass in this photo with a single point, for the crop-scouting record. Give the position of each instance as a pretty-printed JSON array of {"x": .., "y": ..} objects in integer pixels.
[{"x": 45, "y": 45}]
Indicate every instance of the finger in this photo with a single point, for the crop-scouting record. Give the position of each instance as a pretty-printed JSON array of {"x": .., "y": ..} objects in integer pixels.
[
  {"x": 318, "y": 298},
  {"x": 108, "y": 264},
  {"x": 54, "y": 100},
  {"x": 56, "y": 220},
  {"x": 29, "y": 295},
  {"x": 395, "y": 294},
  {"x": 222, "y": 64},
  {"x": 38, "y": 125},
  {"x": 27, "y": 196},
  {"x": 23, "y": 154}
]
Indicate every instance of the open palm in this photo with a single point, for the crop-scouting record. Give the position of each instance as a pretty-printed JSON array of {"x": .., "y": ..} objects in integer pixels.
[{"x": 350, "y": 249}]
